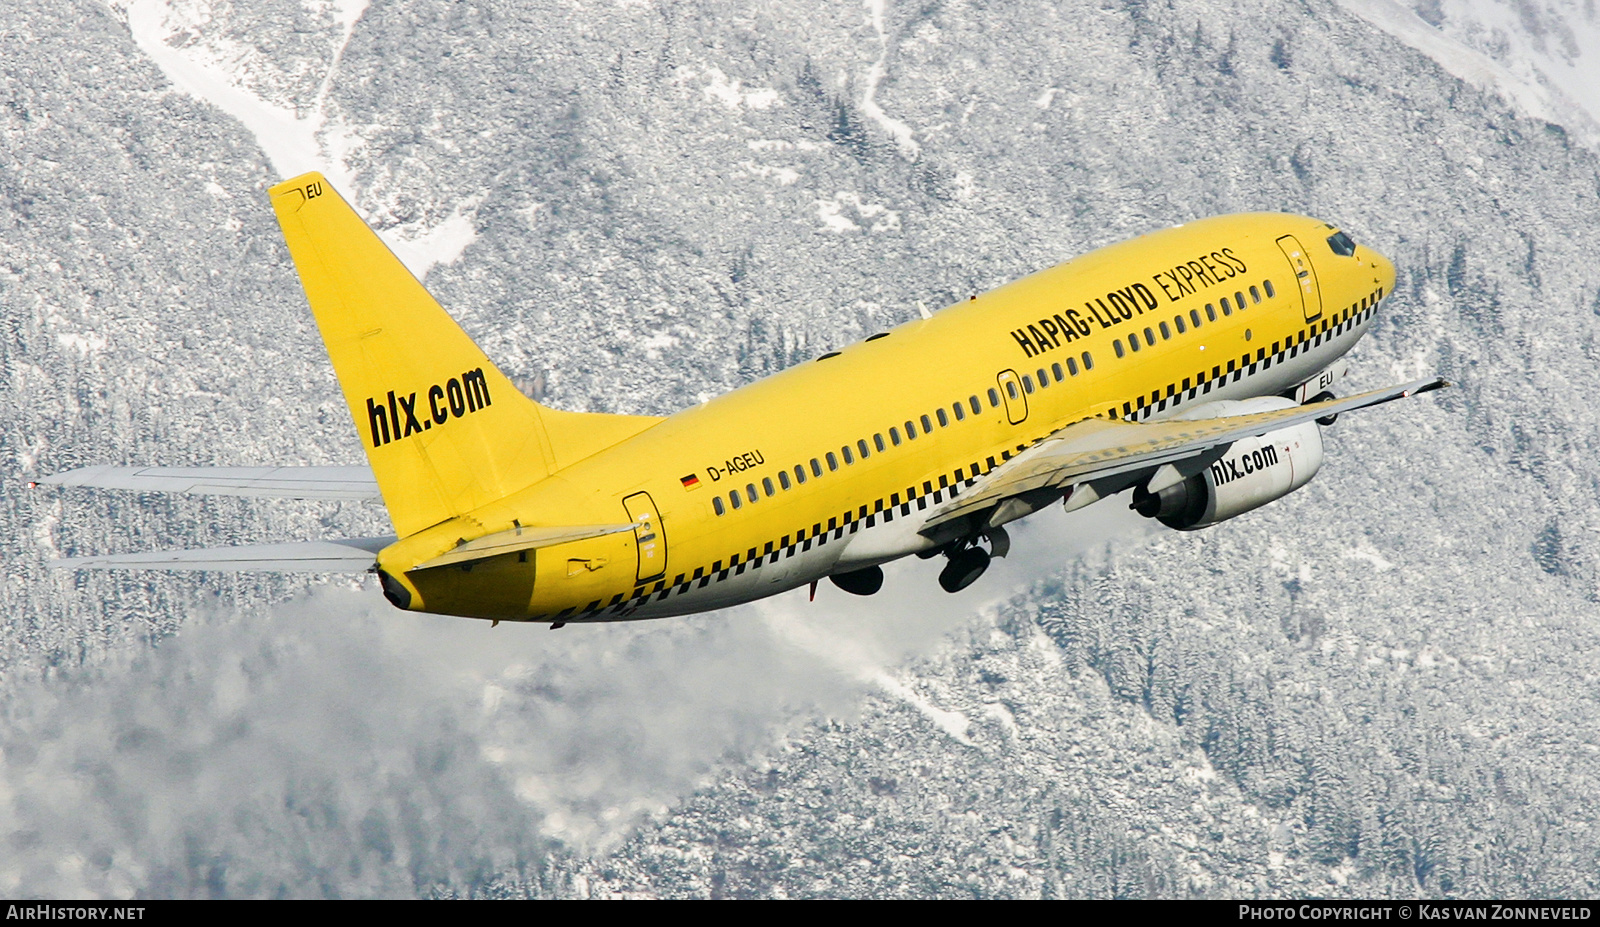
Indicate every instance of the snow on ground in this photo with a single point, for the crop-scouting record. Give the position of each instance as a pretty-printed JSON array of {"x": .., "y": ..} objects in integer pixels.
[
  {"x": 1555, "y": 43},
  {"x": 294, "y": 144},
  {"x": 1546, "y": 72}
]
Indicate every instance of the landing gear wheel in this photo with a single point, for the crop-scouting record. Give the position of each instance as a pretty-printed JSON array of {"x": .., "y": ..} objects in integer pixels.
[
  {"x": 860, "y": 582},
  {"x": 1326, "y": 419},
  {"x": 963, "y": 569}
]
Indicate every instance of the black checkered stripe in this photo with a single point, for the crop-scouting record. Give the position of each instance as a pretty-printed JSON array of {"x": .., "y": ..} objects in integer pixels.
[
  {"x": 1308, "y": 338},
  {"x": 880, "y": 511}
]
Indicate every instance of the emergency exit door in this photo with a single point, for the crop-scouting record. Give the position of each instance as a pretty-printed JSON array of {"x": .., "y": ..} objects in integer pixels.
[{"x": 1016, "y": 399}]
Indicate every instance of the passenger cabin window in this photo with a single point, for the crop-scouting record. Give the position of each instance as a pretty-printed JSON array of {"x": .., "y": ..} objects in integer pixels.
[
  {"x": 1177, "y": 321},
  {"x": 816, "y": 466},
  {"x": 994, "y": 398},
  {"x": 862, "y": 447},
  {"x": 833, "y": 462},
  {"x": 717, "y": 506},
  {"x": 1055, "y": 369},
  {"x": 1088, "y": 362},
  {"x": 800, "y": 473},
  {"x": 1211, "y": 311},
  {"x": 1116, "y": 343},
  {"x": 894, "y": 436},
  {"x": 927, "y": 424},
  {"x": 1226, "y": 309},
  {"x": 783, "y": 479},
  {"x": 959, "y": 411},
  {"x": 1166, "y": 332},
  {"x": 849, "y": 458},
  {"x": 1133, "y": 341},
  {"x": 1194, "y": 316},
  {"x": 1255, "y": 295},
  {"x": 1044, "y": 378},
  {"x": 1072, "y": 366},
  {"x": 734, "y": 498},
  {"x": 1149, "y": 337},
  {"x": 1267, "y": 285},
  {"x": 977, "y": 407},
  {"x": 750, "y": 492},
  {"x": 877, "y": 441},
  {"x": 1238, "y": 299}
]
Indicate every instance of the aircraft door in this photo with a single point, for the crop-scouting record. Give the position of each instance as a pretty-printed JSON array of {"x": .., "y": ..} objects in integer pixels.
[
  {"x": 1305, "y": 276},
  {"x": 650, "y": 539},
  {"x": 1015, "y": 397}
]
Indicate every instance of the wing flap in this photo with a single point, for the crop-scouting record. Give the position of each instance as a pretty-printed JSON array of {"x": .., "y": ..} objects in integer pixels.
[
  {"x": 1097, "y": 449},
  {"x": 342, "y": 555},
  {"x": 354, "y": 483}
]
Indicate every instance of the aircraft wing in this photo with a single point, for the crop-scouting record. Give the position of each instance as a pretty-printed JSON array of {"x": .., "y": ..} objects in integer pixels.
[
  {"x": 344, "y": 555},
  {"x": 1099, "y": 449},
  {"x": 279, "y": 482}
]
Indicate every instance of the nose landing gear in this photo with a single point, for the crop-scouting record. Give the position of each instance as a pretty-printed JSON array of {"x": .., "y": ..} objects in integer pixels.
[{"x": 1325, "y": 396}]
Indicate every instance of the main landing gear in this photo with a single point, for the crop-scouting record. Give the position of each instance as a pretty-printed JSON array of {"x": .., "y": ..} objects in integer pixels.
[
  {"x": 969, "y": 561},
  {"x": 964, "y": 568},
  {"x": 859, "y": 582}
]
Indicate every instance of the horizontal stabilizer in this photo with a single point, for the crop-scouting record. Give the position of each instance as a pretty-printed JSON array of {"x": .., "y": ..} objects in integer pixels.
[
  {"x": 344, "y": 555},
  {"x": 526, "y": 538},
  {"x": 276, "y": 482}
]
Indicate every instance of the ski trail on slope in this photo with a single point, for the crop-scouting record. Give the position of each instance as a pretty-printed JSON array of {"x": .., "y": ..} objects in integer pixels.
[
  {"x": 903, "y": 135},
  {"x": 295, "y": 144},
  {"x": 1475, "y": 68}
]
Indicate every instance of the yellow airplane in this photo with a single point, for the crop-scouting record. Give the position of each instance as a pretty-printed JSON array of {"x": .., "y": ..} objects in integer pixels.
[{"x": 1189, "y": 368}]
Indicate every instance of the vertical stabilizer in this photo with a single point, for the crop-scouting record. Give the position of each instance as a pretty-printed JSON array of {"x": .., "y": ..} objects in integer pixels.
[{"x": 445, "y": 431}]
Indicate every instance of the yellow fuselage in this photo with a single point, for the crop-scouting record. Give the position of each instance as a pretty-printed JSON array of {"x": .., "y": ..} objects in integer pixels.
[{"x": 1018, "y": 363}]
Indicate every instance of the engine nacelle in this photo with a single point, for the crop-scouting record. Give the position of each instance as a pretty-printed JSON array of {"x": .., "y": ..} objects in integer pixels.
[{"x": 1252, "y": 473}]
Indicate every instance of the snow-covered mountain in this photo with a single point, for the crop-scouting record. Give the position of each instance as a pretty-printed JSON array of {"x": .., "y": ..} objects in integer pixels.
[{"x": 1384, "y": 684}]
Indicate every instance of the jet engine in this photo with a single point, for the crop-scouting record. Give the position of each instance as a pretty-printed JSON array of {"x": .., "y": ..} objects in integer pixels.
[{"x": 1253, "y": 472}]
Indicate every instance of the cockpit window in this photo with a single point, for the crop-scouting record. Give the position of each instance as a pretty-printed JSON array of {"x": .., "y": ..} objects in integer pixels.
[{"x": 1341, "y": 244}]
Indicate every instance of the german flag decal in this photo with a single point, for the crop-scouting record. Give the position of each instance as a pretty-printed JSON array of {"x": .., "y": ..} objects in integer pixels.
[{"x": 690, "y": 482}]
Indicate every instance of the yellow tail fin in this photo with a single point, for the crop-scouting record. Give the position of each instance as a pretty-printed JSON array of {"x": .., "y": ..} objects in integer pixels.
[{"x": 445, "y": 431}]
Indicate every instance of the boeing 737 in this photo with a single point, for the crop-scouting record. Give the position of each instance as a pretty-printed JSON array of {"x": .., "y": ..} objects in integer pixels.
[{"x": 1188, "y": 370}]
